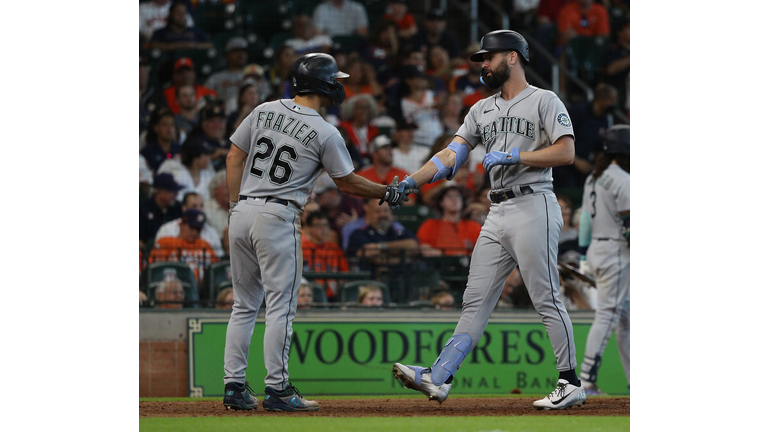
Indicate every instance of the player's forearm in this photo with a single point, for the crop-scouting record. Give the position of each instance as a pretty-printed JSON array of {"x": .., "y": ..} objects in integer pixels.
[
  {"x": 560, "y": 153},
  {"x": 235, "y": 168},
  {"x": 353, "y": 184},
  {"x": 425, "y": 174}
]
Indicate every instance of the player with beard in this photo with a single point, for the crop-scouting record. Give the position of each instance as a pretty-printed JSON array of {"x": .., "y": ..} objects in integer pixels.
[{"x": 525, "y": 131}]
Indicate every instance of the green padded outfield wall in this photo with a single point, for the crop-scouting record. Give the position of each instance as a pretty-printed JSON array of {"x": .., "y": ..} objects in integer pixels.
[{"x": 342, "y": 358}]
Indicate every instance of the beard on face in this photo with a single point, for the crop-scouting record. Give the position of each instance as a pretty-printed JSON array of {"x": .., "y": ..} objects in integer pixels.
[{"x": 497, "y": 77}]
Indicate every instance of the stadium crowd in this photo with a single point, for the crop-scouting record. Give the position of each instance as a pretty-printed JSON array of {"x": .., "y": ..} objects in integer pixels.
[{"x": 410, "y": 86}]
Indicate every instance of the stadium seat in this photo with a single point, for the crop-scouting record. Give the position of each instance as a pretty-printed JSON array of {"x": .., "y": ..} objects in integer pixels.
[
  {"x": 266, "y": 18},
  {"x": 351, "y": 43},
  {"x": 160, "y": 271},
  {"x": 306, "y": 7},
  {"x": 412, "y": 216},
  {"x": 278, "y": 39},
  {"x": 217, "y": 277},
  {"x": 318, "y": 293},
  {"x": 585, "y": 57},
  {"x": 214, "y": 17},
  {"x": 350, "y": 290}
]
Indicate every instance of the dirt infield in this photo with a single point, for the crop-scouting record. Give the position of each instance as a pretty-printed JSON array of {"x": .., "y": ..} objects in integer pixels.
[{"x": 501, "y": 406}]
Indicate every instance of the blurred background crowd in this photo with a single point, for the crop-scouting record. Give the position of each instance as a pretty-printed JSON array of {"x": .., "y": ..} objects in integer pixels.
[{"x": 204, "y": 65}]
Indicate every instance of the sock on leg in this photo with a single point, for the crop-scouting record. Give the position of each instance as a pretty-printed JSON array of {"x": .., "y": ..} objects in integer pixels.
[{"x": 570, "y": 376}]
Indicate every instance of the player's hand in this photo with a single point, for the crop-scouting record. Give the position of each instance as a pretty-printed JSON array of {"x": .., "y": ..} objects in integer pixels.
[
  {"x": 586, "y": 269},
  {"x": 231, "y": 207},
  {"x": 393, "y": 196},
  {"x": 407, "y": 186},
  {"x": 500, "y": 158}
]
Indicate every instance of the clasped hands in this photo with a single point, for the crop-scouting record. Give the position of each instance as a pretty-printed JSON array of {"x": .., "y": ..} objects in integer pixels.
[{"x": 397, "y": 192}]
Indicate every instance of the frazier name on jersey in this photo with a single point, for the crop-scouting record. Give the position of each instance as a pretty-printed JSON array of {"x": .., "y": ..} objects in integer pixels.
[{"x": 293, "y": 128}]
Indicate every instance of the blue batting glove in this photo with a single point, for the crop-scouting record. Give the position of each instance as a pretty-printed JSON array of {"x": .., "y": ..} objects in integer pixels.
[
  {"x": 500, "y": 158},
  {"x": 407, "y": 186}
]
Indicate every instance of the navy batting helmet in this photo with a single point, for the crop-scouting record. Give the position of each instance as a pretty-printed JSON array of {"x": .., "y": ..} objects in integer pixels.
[
  {"x": 502, "y": 40},
  {"x": 317, "y": 73},
  {"x": 616, "y": 140}
]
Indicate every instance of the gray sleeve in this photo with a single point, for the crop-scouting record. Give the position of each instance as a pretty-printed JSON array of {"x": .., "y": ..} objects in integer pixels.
[
  {"x": 555, "y": 119},
  {"x": 622, "y": 196},
  {"x": 335, "y": 157},
  {"x": 468, "y": 130},
  {"x": 242, "y": 136}
]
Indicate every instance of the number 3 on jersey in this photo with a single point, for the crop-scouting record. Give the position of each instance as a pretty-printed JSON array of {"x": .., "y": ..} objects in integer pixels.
[{"x": 280, "y": 171}]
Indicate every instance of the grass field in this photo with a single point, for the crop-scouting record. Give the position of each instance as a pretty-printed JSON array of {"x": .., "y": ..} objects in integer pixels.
[
  {"x": 527, "y": 423},
  {"x": 389, "y": 424}
]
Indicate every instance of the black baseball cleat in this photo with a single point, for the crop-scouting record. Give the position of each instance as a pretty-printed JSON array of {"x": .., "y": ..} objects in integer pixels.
[
  {"x": 288, "y": 400},
  {"x": 238, "y": 397}
]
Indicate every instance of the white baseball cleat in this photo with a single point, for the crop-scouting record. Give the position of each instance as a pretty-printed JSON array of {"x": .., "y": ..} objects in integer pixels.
[
  {"x": 564, "y": 396},
  {"x": 418, "y": 378}
]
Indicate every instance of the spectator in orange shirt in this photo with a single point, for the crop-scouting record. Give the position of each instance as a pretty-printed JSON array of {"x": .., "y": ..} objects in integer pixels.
[
  {"x": 188, "y": 247},
  {"x": 321, "y": 255},
  {"x": 450, "y": 234},
  {"x": 184, "y": 73},
  {"x": 382, "y": 170},
  {"x": 362, "y": 79},
  {"x": 582, "y": 18},
  {"x": 397, "y": 11}
]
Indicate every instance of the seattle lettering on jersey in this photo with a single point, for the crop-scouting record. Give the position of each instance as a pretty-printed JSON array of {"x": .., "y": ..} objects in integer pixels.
[
  {"x": 291, "y": 126},
  {"x": 605, "y": 181},
  {"x": 507, "y": 125}
]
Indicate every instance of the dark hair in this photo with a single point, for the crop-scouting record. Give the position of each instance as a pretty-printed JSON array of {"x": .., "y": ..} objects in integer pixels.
[
  {"x": 315, "y": 215},
  {"x": 177, "y": 3},
  {"x": 437, "y": 198},
  {"x": 187, "y": 196},
  {"x": 603, "y": 161},
  {"x": 154, "y": 119},
  {"x": 210, "y": 102},
  {"x": 565, "y": 199},
  {"x": 192, "y": 149},
  {"x": 605, "y": 91}
]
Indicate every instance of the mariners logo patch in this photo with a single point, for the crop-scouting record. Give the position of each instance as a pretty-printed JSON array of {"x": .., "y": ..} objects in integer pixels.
[{"x": 564, "y": 120}]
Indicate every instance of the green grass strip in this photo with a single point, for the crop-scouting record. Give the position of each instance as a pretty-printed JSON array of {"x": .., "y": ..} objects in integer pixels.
[
  {"x": 388, "y": 424},
  {"x": 336, "y": 397}
]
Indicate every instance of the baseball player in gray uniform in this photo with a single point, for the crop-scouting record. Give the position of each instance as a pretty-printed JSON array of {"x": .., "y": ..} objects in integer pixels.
[
  {"x": 604, "y": 247},
  {"x": 278, "y": 152},
  {"x": 525, "y": 131}
]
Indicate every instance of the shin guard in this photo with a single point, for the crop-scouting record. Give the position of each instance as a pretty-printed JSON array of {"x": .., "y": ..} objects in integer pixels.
[{"x": 450, "y": 359}]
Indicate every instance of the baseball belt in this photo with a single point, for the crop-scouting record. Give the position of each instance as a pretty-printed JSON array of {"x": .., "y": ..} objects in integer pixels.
[
  {"x": 268, "y": 199},
  {"x": 497, "y": 197}
]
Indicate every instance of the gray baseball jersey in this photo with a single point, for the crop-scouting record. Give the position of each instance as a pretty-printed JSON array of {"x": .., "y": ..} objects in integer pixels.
[
  {"x": 522, "y": 231},
  {"x": 608, "y": 257},
  {"x": 531, "y": 121},
  {"x": 288, "y": 146}
]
